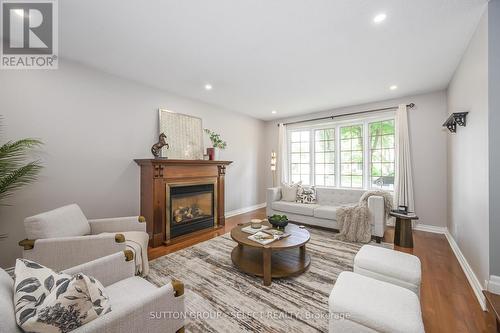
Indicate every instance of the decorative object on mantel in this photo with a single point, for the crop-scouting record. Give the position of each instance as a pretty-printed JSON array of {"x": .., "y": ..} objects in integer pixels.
[
  {"x": 156, "y": 148},
  {"x": 184, "y": 134},
  {"x": 217, "y": 143},
  {"x": 456, "y": 118}
]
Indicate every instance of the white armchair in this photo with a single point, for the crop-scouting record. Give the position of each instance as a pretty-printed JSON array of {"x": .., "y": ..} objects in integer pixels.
[
  {"x": 63, "y": 238},
  {"x": 142, "y": 308}
]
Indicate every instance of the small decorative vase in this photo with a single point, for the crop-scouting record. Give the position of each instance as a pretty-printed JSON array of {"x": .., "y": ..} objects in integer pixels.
[
  {"x": 256, "y": 223},
  {"x": 211, "y": 153},
  {"x": 216, "y": 154}
]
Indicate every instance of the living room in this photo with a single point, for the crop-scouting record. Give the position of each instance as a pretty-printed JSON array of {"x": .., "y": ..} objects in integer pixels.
[{"x": 282, "y": 166}]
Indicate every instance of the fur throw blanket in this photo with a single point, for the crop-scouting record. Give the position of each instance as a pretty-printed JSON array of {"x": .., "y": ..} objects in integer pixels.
[{"x": 354, "y": 221}]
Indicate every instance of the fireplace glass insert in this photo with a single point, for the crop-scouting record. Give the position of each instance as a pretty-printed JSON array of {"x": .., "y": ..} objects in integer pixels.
[{"x": 191, "y": 208}]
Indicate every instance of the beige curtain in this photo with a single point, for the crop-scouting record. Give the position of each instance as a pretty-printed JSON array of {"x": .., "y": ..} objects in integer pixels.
[
  {"x": 403, "y": 184},
  {"x": 282, "y": 156}
]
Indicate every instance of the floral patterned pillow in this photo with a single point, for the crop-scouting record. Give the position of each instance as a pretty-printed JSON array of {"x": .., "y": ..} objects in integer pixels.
[
  {"x": 46, "y": 301},
  {"x": 306, "y": 194}
]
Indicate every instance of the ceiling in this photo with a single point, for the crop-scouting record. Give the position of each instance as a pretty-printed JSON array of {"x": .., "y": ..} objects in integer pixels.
[{"x": 293, "y": 56}]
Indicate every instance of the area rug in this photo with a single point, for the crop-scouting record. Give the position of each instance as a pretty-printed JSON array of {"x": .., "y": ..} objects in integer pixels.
[{"x": 219, "y": 298}]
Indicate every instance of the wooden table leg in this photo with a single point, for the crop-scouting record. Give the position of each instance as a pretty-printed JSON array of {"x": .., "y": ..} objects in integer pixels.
[
  {"x": 266, "y": 262},
  {"x": 403, "y": 235}
]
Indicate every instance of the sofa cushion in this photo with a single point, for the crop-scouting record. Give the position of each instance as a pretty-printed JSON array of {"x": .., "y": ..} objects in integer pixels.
[
  {"x": 65, "y": 221},
  {"x": 132, "y": 288},
  {"x": 7, "y": 315},
  {"x": 294, "y": 207},
  {"x": 289, "y": 191},
  {"x": 306, "y": 194},
  {"x": 326, "y": 212},
  {"x": 46, "y": 301},
  {"x": 337, "y": 197}
]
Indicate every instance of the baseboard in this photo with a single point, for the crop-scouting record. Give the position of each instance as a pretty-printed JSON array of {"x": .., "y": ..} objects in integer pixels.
[
  {"x": 469, "y": 273},
  {"x": 494, "y": 284},
  {"x": 430, "y": 228},
  {"x": 244, "y": 210}
]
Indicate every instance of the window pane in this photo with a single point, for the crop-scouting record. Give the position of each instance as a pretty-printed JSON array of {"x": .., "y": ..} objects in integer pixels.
[
  {"x": 320, "y": 169},
  {"x": 320, "y": 146},
  {"x": 319, "y": 180},
  {"x": 345, "y": 145},
  {"x": 382, "y": 154},
  {"x": 304, "y": 147},
  {"x": 357, "y": 156},
  {"x": 295, "y": 136},
  {"x": 295, "y": 147},
  {"x": 295, "y": 178},
  {"x": 304, "y": 169},
  {"x": 387, "y": 141},
  {"x": 329, "y": 169},
  {"x": 304, "y": 136},
  {"x": 330, "y": 157},
  {"x": 346, "y": 157},
  {"x": 351, "y": 156},
  {"x": 357, "y": 181},
  {"x": 295, "y": 169},
  {"x": 320, "y": 157},
  {"x": 330, "y": 180},
  {"x": 304, "y": 158},
  {"x": 345, "y": 181},
  {"x": 295, "y": 158},
  {"x": 388, "y": 127}
]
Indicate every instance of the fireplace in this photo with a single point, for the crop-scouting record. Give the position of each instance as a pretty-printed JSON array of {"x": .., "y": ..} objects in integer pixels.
[
  {"x": 190, "y": 207},
  {"x": 160, "y": 176}
]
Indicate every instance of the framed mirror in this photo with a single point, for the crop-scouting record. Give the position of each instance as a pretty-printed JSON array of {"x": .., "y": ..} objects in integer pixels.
[{"x": 184, "y": 135}]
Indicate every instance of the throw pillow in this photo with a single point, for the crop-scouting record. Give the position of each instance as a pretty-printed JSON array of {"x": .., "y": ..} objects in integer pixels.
[
  {"x": 46, "y": 301},
  {"x": 306, "y": 194},
  {"x": 289, "y": 191}
]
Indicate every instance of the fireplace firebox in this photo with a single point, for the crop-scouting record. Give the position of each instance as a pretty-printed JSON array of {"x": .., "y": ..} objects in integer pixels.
[{"x": 191, "y": 208}]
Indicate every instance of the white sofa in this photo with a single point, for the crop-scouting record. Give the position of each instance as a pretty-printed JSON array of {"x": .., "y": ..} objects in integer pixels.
[{"x": 323, "y": 213}]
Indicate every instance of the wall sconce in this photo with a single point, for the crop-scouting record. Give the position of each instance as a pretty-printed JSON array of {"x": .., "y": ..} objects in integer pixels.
[
  {"x": 457, "y": 118},
  {"x": 273, "y": 167}
]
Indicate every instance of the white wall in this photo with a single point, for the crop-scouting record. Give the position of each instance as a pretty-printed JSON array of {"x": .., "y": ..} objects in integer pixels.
[
  {"x": 468, "y": 216},
  {"x": 494, "y": 135},
  {"x": 428, "y": 145},
  {"x": 93, "y": 126}
]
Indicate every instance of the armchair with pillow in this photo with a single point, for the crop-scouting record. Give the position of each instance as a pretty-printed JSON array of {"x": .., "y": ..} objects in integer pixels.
[
  {"x": 64, "y": 237},
  {"x": 129, "y": 303}
]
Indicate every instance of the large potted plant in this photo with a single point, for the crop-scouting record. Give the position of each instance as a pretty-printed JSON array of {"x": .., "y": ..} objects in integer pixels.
[
  {"x": 15, "y": 170},
  {"x": 217, "y": 144}
]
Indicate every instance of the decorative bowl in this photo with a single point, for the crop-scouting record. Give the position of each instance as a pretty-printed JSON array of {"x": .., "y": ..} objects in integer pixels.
[{"x": 278, "y": 221}]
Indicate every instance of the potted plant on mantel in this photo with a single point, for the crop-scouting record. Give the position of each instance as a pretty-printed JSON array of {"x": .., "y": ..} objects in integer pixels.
[
  {"x": 217, "y": 144},
  {"x": 14, "y": 171}
]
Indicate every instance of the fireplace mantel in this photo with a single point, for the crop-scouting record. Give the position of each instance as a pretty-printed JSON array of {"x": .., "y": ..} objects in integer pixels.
[{"x": 156, "y": 174}]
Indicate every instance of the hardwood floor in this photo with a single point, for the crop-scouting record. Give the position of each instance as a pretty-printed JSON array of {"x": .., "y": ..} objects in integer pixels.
[{"x": 448, "y": 302}]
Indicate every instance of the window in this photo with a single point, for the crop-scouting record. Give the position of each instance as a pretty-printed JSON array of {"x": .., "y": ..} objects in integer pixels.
[
  {"x": 382, "y": 154},
  {"x": 351, "y": 156},
  {"x": 324, "y": 158},
  {"x": 355, "y": 154},
  {"x": 300, "y": 165}
]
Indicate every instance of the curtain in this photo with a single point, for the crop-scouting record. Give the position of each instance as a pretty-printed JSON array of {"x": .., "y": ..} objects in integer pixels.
[
  {"x": 282, "y": 165},
  {"x": 403, "y": 184}
]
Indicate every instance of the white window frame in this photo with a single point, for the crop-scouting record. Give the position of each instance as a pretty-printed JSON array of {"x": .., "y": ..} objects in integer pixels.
[{"x": 337, "y": 124}]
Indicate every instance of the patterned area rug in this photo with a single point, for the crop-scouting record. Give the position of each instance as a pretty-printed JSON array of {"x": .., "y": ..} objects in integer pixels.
[{"x": 219, "y": 298}]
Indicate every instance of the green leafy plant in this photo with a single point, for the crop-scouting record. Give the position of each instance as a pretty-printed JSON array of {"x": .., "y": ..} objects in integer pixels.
[
  {"x": 278, "y": 218},
  {"x": 15, "y": 172},
  {"x": 217, "y": 142}
]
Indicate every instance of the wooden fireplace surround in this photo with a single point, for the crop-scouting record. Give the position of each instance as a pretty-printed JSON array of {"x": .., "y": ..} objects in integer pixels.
[{"x": 157, "y": 174}]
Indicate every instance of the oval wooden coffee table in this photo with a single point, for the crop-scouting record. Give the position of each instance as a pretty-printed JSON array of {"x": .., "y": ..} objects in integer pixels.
[{"x": 278, "y": 259}]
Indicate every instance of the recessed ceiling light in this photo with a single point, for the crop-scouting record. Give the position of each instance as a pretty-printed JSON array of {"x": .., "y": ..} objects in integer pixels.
[
  {"x": 393, "y": 87},
  {"x": 379, "y": 18},
  {"x": 274, "y": 112},
  {"x": 208, "y": 86}
]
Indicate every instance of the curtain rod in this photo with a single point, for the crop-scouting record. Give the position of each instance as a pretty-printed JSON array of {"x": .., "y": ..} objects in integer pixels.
[{"x": 410, "y": 106}]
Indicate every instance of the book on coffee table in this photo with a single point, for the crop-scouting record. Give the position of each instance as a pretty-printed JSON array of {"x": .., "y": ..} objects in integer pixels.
[
  {"x": 249, "y": 230},
  {"x": 263, "y": 238}
]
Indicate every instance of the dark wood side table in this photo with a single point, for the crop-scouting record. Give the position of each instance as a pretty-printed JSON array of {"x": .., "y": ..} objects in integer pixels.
[{"x": 403, "y": 235}]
